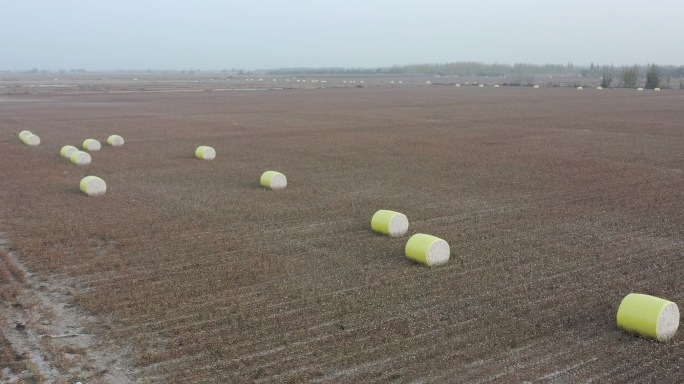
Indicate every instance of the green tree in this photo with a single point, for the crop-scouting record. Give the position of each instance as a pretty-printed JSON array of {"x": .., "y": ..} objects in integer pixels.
[
  {"x": 629, "y": 77},
  {"x": 607, "y": 79},
  {"x": 653, "y": 77}
]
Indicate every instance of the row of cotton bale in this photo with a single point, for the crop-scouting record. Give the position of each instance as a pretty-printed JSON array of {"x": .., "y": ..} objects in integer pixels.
[
  {"x": 95, "y": 186},
  {"x": 79, "y": 157},
  {"x": 422, "y": 248},
  {"x": 90, "y": 185},
  {"x": 29, "y": 138},
  {"x": 639, "y": 314},
  {"x": 269, "y": 179}
]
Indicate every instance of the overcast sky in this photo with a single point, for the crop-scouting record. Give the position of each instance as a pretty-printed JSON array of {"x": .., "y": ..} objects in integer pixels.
[{"x": 260, "y": 34}]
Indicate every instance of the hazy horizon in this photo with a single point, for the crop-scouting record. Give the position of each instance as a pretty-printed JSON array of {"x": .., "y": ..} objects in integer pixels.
[{"x": 268, "y": 34}]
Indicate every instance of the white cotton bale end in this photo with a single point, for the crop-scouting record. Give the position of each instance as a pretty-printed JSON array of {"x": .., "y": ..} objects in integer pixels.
[
  {"x": 458, "y": 85},
  {"x": 640, "y": 89},
  {"x": 648, "y": 316},
  {"x": 115, "y": 140},
  {"x": 579, "y": 88},
  {"x": 481, "y": 85},
  {"x": 273, "y": 180},
  {"x": 599, "y": 88},
  {"x": 31, "y": 140},
  {"x": 91, "y": 145},
  {"x": 80, "y": 158},
  {"x": 391, "y": 223},
  {"x": 205, "y": 153},
  {"x": 93, "y": 186},
  {"x": 428, "y": 250},
  {"x": 24, "y": 134},
  {"x": 536, "y": 87},
  {"x": 656, "y": 89},
  {"x": 67, "y": 151},
  {"x": 496, "y": 85}
]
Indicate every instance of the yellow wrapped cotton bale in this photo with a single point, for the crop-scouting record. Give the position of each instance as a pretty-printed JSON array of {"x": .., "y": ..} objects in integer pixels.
[
  {"x": 640, "y": 89},
  {"x": 427, "y": 249},
  {"x": 93, "y": 186},
  {"x": 31, "y": 140},
  {"x": 67, "y": 151},
  {"x": 648, "y": 316},
  {"x": 205, "y": 153},
  {"x": 273, "y": 180},
  {"x": 80, "y": 158},
  {"x": 91, "y": 145},
  {"x": 599, "y": 88},
  {"x": 115, "y": 140},
  {"x": 390, "y": 223},
  {"x": 23, "y": 134}
]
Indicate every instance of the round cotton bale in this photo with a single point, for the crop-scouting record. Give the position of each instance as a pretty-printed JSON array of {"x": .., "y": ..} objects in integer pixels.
[
  {"x": 496, "y": 85},
  {"x": 481, "y": 85},
  {"x": 205, "y": 153},
  {"x": 67, "y": 151},
  {"x": 427, "y": 249},
  {"x": 91, "y": 145},
  {"x": 115, "y": 140},
  {"x": 80, "y": 158},
  {"x": 648, "y": 316},
  {"x": 273, "y": 180},
  {"x": 458, "y": 85},
  {"x": 640, "y": 89},
  {"x": 579, "y": 88},
  {"x": 536, "y": 87},
  {"x": 656, "y": 89},
  {"x": 599, "y": 88},
  {"x": 31, "y": 140},
  {"x": 390, "y": 223},
  {"x": 24, "y": 134},
  {"x": 93, "y": 186}
]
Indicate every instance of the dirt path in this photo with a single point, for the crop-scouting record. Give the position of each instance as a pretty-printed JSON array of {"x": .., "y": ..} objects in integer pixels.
[{"x": 48, "y": 337}]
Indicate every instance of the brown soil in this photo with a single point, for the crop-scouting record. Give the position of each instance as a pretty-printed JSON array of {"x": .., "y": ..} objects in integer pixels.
[{"x": 556, "y": 204}]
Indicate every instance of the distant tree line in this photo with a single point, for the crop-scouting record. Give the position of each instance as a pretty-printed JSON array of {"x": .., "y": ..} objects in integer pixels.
[
  {"x": 326, "y": 71},
  {"x": 464, "y": 68},
  {"x": 649, "y": 76}
]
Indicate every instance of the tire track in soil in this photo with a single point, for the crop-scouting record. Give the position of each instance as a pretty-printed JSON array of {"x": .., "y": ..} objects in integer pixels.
[{"x": 52, "y": 335}]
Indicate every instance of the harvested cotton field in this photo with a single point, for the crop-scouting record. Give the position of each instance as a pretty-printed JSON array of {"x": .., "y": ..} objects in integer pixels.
[{"x": 555, "y": 205}]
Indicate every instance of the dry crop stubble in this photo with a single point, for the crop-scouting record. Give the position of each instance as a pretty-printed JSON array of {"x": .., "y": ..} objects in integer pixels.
[{"x": 556, "y": 204}]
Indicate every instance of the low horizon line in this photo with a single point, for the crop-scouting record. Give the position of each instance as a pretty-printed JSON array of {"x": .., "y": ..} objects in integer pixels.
[{"x": 358, "y": 68}]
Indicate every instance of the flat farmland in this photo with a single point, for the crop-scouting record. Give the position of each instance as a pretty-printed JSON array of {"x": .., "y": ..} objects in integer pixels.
[{"x": 556, "y": 204}]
